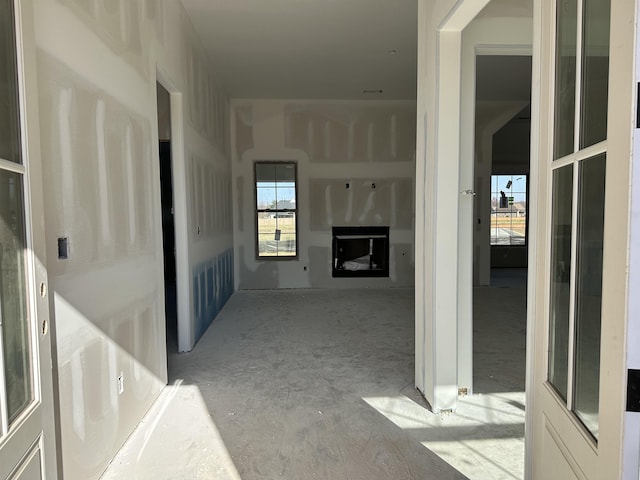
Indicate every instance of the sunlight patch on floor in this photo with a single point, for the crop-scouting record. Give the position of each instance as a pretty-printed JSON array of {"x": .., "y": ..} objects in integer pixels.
[
  {"x": 177, "y": 439},
  {"x": 483, "y": 439}
]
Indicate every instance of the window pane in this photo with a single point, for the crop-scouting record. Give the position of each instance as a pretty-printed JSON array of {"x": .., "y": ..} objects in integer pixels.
[
  {"x": 275, "y": 186},
  {"x": 286, "y": 195},
  {"x": 13, "y": 314},
  {"x": 589, "y": 290},
  {"x": 267, "y": 245},
  {"x": 595, "y": 72},
  {"x": 266, "y": 195},
  {"x": 287, "y": 226},
  {"x": 9, "y": 123},
  {"x": 565, "y": 84},
  {"x": 561, "y": 211},
  {"x": 266, "y": 173},
  {"x": 285, "y": 172},
  {"x": 276, "y": 234}
]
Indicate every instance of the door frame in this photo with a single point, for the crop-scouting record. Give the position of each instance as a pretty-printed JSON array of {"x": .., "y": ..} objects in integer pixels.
[
  {"x": 534, "y": 253},
  {"x": 480, "y": 44},
  {"x": 631, "y": 441},
  {"x": 181, "y": 213},
  {"x": 443, "y": 348},
  {"x": 432, "y": 132}
]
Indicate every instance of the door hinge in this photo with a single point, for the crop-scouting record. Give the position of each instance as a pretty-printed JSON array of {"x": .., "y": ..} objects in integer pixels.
[
  {"x": 633, "y": 390},
  {"x": 638, "y": 106}
]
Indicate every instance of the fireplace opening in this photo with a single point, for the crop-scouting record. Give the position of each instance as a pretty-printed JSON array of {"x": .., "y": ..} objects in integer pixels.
[{"x": 360, "y": 251}]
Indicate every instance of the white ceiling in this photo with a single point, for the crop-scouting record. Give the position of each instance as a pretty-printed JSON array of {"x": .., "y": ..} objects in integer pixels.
[{"x": 316, "y": 48}]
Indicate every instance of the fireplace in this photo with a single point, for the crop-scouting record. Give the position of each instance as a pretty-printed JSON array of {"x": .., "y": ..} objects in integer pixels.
[{"x": 360, "y": 251}]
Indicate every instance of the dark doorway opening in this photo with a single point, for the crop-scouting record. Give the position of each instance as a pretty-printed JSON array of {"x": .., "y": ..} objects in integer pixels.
[
  {"x": 168, "y": 244},
  {"x": 168, "y": 223}
]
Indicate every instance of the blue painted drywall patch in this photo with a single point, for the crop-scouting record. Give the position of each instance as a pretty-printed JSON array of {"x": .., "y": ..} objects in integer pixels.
[{"x": 212, "y": 288}]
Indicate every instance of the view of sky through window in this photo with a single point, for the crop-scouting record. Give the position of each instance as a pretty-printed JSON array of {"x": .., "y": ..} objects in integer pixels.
[{"x": 271, "y": 192}]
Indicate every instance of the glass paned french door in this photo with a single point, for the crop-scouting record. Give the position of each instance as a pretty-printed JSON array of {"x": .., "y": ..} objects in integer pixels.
[
  {"x": 16, "y": 369},
  {"x": 578, "y": 175},
  {"x": 27, "y": 431}
]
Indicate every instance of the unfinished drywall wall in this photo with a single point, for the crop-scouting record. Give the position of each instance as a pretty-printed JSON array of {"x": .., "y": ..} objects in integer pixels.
[
  {"x": 511, "y": 145},
  {"x": 97, "y": 65},
  {"x": 355, "y": 167},
  {"x": 209, "y": 184}
]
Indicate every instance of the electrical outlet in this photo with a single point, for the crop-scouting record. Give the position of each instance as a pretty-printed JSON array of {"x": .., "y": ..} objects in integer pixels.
[{"x": 120, "y": 383}]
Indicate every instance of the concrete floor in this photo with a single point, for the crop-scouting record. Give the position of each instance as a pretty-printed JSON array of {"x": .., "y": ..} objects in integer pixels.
[{"x": 302, "y": 384}]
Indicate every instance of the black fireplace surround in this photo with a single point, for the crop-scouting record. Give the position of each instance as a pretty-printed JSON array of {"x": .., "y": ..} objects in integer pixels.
[{"x": 360, "y": 252}]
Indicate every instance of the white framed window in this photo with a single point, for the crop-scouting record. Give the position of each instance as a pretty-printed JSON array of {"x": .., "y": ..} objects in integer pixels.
[
  {"x": 276, "y": 210},
  {"x": 509, "y": 209}
]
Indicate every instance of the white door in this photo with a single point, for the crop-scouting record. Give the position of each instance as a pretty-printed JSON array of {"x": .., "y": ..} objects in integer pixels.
[
  {"x": 26, "y": 414},
  {"x": 582, "y": 164}
]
